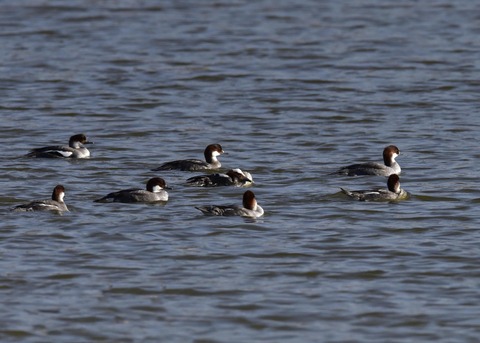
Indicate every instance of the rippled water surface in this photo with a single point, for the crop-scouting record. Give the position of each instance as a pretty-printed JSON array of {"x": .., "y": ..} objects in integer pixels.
[{"x": 292, "y": 90}]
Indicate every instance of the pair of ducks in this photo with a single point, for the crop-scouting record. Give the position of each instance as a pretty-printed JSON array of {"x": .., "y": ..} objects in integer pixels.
[
  {"x": 390, "y": 168},
  {"x": 156, "y": 186}
]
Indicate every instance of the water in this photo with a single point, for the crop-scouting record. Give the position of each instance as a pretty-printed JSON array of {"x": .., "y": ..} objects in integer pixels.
[{"x": 292, "y": 90}]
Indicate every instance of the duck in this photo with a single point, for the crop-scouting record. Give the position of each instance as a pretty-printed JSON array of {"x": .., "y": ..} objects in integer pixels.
[
  {"x": 211, "y": 162},
  {"x": 233, "y": 177},
  {"x": 250, "y": 208},
  {"x": 75, "y": 149},
  {"x": 155, "y": 191},
  {"x": 389, "y": 167},
  {"x": 394, "y": 192},
  {"x": 56, "y": 203}
]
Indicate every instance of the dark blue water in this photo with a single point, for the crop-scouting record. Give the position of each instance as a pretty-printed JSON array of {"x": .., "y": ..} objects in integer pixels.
[{"x": 292, "y": 91}]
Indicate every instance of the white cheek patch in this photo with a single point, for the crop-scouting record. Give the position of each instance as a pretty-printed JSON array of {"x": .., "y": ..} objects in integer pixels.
[
  {"x": 215, "y": 153},
  {"x": 61, "y": 196},
  {"x": 156, "y": 189}
]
